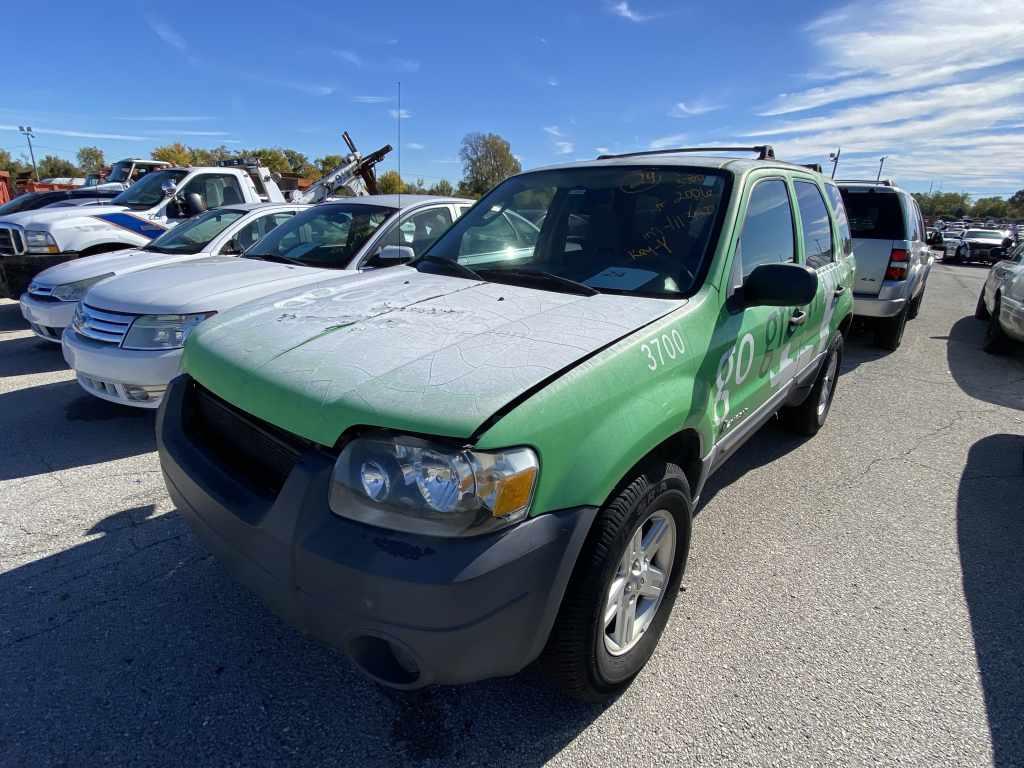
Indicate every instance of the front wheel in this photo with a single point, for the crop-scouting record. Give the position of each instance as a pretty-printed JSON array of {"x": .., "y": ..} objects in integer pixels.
[
  {"x": 808, "y": 417},
  {"x": 623, "y": 587}
]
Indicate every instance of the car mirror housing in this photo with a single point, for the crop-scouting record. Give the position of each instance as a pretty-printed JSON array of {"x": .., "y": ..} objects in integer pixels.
[
  {"x": 392, "y": 255},
  {"x": 780, "y": 285}
]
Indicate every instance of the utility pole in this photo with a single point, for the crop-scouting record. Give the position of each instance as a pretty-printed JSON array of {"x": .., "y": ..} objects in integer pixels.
[
  {"x": 881, "y": 162},
  {"x": 834, "y": 157},
  {"x": 26, "y": 131}
]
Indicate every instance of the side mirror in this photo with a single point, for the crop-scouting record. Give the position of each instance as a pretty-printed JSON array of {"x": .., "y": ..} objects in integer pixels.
[
  {"x": 231, "y": 248},
  {"x": 391, "y": 256},
  {"x": 194, "y": 204},
  {"x": 168, "y": 188},
  {"x": 780, "y": 285}
]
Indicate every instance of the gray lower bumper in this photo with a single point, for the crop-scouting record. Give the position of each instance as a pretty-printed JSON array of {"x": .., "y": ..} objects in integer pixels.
[
  {"x": 871, "y": 306},
  {"x": 409, "y": 610}
]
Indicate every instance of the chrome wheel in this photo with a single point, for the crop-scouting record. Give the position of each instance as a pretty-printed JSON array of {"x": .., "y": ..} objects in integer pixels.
[
  {"x": 638, "y": 586},
  {"x": 826, "y": 386}
]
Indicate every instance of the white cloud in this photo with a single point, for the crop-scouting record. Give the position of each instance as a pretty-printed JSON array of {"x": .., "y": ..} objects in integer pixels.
[
  {"x": 405, "y": 65},
  {"x": 414, "y": 145},
  {"x": 400, "y": 114},
  {"x": 554, "y": 130},
  {"x": 565, "y": 147},
  {"x": 665, "y": 142},
  {"x": 371, "y": 99},
  {"x": 553, "y": 82},
  {"x": 682, "y": 109},
  {"x": 449, "y": 161},
  {"x": 169, "y": 35},
  {"x": 602, "y": 150},
  {"x": 624, "y": 10},
  {"x": 351, "y": 57},
  {"x": 176, "y": 132},
  {"x": 166, "y": 118},
  {"x": 77, "y": 134}
]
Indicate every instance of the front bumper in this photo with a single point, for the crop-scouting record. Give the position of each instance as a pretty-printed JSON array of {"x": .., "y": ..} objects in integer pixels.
[
  {"x": 125, "y": 376},
  {"x": 48, "y": 319},
  {"x": 409, "y": 610},
  {"x": 19, "y": 269}
]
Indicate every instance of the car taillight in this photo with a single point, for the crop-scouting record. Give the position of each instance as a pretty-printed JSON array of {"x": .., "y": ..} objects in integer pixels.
[{"x": 897, "y": 265}]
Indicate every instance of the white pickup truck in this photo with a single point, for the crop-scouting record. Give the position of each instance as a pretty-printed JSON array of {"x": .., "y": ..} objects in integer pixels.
[
  {"x": 34, "y": 240},
  {"x": 124, "y": 173},
  {"x": 49, "y": 303}
]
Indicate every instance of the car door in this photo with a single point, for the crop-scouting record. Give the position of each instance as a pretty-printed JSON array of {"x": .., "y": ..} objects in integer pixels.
[
  {"x": 819, "y": 249},
  {"x": 753, "y": 350},
  {"x": 418, "y": 230}
]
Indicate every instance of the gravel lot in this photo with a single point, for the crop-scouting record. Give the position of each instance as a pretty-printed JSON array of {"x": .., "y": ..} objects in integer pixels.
[{"x": 855, "y": 599}]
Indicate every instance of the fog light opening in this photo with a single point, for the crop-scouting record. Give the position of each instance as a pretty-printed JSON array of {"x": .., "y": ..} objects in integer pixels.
[{"x": 386, "y": 661}]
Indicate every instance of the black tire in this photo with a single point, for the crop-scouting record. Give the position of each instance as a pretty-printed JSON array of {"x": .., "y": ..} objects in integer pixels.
[
  {"x": 576, "y": 655},
  {"x": 806, "y": 419},
  {"x": 889, "y": 330},
  {"x": 996, "y": 341},
  {"x": 981, "y": 311},
  {"x": 915, "y": 306}
]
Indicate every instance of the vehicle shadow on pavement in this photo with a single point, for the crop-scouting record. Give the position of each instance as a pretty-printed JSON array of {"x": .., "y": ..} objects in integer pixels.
[
  {"x": 859, "y": 347},
  {"x": 990, "y": 534},
  {"x": 136, "y": 648},
  {"x": 997, "y": 379},
  {"x": 29, "y": 354},
  {"x": 10, "y": 317},
  {"x": 57, "y": 426}
]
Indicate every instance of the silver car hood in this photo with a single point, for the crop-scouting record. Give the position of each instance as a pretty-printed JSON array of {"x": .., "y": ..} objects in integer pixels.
[{"x": 116, "y": 262}]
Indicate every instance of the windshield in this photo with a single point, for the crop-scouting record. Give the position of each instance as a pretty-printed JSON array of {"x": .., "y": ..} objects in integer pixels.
[
  {"x": 325, "y": 236},
  {"x": 984, "y": 234},
  {"x": 119, "y": 172},
  {"x": 147, "y": 191},
  {"x": 644, "y": 231},
  {"x": 194, "y": 235}
]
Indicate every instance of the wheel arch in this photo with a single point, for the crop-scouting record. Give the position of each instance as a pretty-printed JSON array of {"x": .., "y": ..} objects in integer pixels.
[{"x": 683, "y": 448}]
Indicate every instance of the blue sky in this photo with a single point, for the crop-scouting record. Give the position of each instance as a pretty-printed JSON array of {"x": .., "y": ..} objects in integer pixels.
[{"x": 940, "y": 95}]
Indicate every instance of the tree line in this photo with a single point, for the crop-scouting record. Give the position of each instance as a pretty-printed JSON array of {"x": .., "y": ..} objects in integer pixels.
[
  {"x": 487, "y": 160},
  {"x": 955, "y": 205}
]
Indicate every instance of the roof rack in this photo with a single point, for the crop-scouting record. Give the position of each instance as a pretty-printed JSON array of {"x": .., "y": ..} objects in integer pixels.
[
  {"x": 763, "y": 151},
  {"x": 878, "y": 182},
  {"x": 813, "y": 166}
]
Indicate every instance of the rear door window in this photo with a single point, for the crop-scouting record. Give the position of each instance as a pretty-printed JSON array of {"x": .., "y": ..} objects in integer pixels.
[
  {"x": 842, "y": 223},
  {"x": 814, "y": 219},
  {"x": 874, "y": 215}
]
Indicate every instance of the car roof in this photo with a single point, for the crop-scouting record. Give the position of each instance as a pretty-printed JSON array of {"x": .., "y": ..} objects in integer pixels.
[
  {"x": 258, "y": 206},
  {"x": 397, "y": 201},
  {"x": 740, "y": 165}
]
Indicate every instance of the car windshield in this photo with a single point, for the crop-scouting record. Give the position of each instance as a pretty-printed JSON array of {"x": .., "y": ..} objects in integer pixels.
[
  {"x": 874, "y": 215},
  {"x": 119, "y": 172},
  {"x": 194, "y": 235},
  {"x": 148, "y": 191},
  {"x": 328, "y": 235},
  {"x": 984, "y": 234},
  {"x": 636, "y": 230}
]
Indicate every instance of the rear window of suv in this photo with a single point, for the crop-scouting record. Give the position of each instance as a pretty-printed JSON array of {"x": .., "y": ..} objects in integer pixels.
[{"x": 874, "y": 215}]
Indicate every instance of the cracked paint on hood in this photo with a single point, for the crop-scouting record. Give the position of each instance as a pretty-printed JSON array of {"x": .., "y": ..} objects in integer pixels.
[{"x": 401, "y": 349}]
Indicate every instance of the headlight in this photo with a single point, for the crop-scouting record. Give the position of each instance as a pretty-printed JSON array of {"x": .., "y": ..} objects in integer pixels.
[
  {"x": 162, "y": 331},
  {"x": 40, "y": 242},
  {"x": 75, "y": 291},
  {"x": 420, "y": 486}
]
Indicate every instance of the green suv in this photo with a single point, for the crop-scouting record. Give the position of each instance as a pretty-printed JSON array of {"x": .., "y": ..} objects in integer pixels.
[{"x": 492, "y": 455}]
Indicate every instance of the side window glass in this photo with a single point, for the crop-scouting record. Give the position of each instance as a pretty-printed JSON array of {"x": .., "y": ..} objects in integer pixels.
[
  {"x": 215, "y": 189},
  {"x": 767, "y": 236},
  {"x": 842, "y": 223},
  {"x": 254, "y": 231},
  {"x": 817, "y": 229},
  {"x": 421, "y": 229}
]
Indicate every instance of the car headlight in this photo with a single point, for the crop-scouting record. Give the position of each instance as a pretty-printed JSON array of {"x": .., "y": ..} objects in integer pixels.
[
  {"x": 416, "y": 485},
  {"x": 76, "y": 290},
  {"x": 162, "y": 331},
  {"x": 37, "y": 241}
]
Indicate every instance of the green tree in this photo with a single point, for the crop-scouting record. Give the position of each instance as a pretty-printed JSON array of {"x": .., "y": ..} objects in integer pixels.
[
  {"x": 390, "y": 183},
  {"x": 273, "y": 158},
  {"x": 202, "y": 156},
  {"x": 990, "y": 208},
  {"x": 417, "y": 188},
  {"x": 1016, "y": 204},
  {"x": 328, "y": 163},
  {"x": 443, "y": 188},
  {"x": 53, "y": 167},
  {"x": 486, "y": 161},
  {"x": 175, "y": 154},
  {"x": 91, "y": 160},
  {"x": 943, "y": 204},
  {"x": 300, "y": 164},
  {"x": 12, "y": 166}
]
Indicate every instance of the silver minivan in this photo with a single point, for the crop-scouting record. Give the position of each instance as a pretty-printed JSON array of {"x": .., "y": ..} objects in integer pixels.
[{"x": 893, "y": 256}]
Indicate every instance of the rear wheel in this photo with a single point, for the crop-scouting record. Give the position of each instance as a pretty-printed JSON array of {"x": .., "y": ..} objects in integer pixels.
[
  {"x": 623, "y": 587},
  {"x": 915, "y": 306},
  {"x": 981, "y": 311},
  {"x": 996, "y": 340},
  {"x": 889, "y": 330},
  {"x": 808, "y": 417}
]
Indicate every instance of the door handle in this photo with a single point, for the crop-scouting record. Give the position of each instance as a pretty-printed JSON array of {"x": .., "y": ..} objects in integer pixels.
[
  {"x": 798, "y": 318},
  {"x": 839, "y": 291}
]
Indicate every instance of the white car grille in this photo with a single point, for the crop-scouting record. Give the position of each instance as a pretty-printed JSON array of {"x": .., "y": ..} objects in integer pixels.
[
  {"x": 11, "y": 241},
  {"x": 101, "y": 325}
]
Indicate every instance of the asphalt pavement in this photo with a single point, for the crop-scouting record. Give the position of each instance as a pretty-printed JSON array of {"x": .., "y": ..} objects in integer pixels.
[{"x": 852, "y": 599}]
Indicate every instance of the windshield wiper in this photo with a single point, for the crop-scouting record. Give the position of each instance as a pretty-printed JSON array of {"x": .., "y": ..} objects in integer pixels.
[
  {"x": 542, "y": 278},
  {"x": 451, "y": 265},
  {"x": 275, "y": 258}
]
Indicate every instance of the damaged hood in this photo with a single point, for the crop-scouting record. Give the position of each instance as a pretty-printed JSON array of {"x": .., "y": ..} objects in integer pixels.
[{"x": 403, "y": 350}]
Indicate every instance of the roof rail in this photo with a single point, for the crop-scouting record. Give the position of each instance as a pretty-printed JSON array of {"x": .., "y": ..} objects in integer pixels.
[
  {"x": 879, "y": 182},
  {"x": 813, "y": 166},
  {"x": 763, "y": 151}
]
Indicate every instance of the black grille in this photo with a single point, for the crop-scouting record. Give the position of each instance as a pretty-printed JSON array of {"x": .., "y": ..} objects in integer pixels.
[
  {"x": 253, "y": 451},
  {"x": 8, "y": 240}
]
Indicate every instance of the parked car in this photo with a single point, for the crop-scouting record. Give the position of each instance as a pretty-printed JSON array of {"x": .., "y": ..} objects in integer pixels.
[
  {"x": 1001, "y": 302},
  {"x": 985, "y": 245},
  {"x": 893, "y": 257},
  {"x": 32, "y": 241},
  {"x": 49, "y": 303},
  {"x": 32, "y": 201},
  {"x": 446, "y": 468},
  {"x": 125, "y": 339}
]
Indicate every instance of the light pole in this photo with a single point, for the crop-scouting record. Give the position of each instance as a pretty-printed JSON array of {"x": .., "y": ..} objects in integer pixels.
[
  {"x": 834, "y": 157},
  {"x": 881, "y": 162},
  {"x": 26, "y": 131}
]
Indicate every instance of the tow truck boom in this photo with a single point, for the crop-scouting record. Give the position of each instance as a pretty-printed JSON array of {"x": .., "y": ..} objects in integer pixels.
[{"x": 356, "y": 172}]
